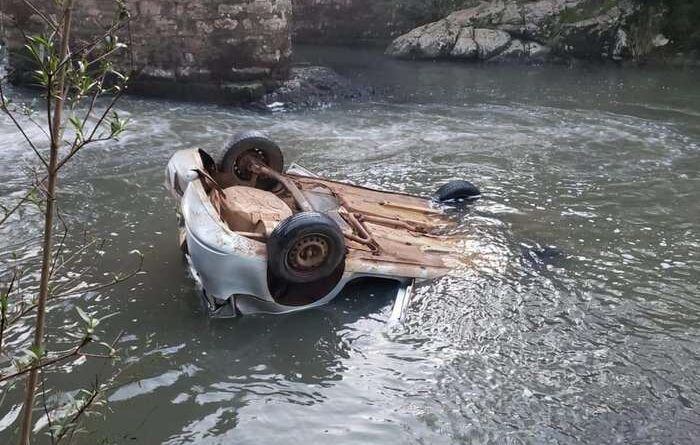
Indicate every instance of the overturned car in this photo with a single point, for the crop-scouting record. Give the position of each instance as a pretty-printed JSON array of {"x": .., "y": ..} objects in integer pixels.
[{"x": 260, "y": 239}]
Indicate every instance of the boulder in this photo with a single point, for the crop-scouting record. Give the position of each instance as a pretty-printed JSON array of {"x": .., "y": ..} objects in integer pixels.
[
  {"x": 437, "y": 40},
  {"x": 465, "y": 47},
  {"x": 519, "y": 51},
  {"x": 514, "y": 51},
  {"x": 513, "y": 30},
  {"x": 490, "y": 42},
  {"x": 430, "y": 41},
  {"x": 406, "y": 44},
  {"x": 478, "y": 33},
  {"x": 312, "y": 87}
]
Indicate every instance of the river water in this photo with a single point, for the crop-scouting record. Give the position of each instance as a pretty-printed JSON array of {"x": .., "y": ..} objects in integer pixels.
[{"x": 600, "y": 344}]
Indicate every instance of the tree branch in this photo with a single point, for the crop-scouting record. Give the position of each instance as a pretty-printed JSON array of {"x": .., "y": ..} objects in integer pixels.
[
  {"x": 74, "y": 352},
  {"x": 47, "y": 19},
  {"x": 6, "y": 110}
]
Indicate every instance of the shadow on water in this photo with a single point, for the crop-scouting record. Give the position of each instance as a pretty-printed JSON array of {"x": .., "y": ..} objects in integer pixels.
[
  {"x": 289, "y": 361},
  {"x": 307, "y": 346}
]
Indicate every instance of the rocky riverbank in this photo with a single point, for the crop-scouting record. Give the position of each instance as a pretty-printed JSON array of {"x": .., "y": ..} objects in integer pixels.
[
  {"x": 666, "y": 31},
  {"x": 513, "y": 30},
  {"x": 238, "y": 51}
]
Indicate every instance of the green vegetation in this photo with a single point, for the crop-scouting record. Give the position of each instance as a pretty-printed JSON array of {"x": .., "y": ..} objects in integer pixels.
[
  {"x": 586, "y": 10},
  {"x": 71, "y": 77}
]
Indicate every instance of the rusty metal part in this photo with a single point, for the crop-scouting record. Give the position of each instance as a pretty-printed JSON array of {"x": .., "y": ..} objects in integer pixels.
[
  {"x": 357, "y": 239},
  {"x": 413, "y": 210},
  {"x": 410, "y": 207},
  {"x": 299, "y": 198},
  {"x": 365, "y": 237},
  {"x": 387, "y": 233},
  {"x": 357, "y": 225},
  {"x": 242, "y": 165},
  {"x": 245, "y": 209},
  {"x": 354, "y": 219},
  {"x": 308, "y": 253},
  {"x": 409, "y": 225},
  {"x": 392, "y": 222}
]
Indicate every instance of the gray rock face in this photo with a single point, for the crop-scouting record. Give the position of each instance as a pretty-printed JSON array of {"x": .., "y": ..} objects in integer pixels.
[
  {"x": 514, "y": 51},
  {"x": 490, "y": 42},
  {"x": 437, "y": 40},
  {"x": 430, "y": 41},
  {"x": 519, "y": 51},
  {"x": 465, "y": 47},
  {"x": 223, "y": 50},
  {"x": 442, "y": 40},
  {"x": 526, "y": 31}
]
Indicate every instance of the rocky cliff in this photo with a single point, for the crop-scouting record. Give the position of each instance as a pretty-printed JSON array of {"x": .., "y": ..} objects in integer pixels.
[
  {"x": 235, "y": 51},
  {"x": 501, "y": 30},
  {"x": 226, "y": 50}
]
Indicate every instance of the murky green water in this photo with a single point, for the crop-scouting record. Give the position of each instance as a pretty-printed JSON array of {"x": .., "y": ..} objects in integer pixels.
[{"x": 598, "y": 346}]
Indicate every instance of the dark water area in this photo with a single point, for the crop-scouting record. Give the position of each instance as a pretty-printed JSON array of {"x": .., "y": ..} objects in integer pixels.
[{"x": 600, "y": 344}]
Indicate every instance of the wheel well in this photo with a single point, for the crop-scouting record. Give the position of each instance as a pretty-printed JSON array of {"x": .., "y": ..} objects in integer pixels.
[{"x": 303, "y": 294}]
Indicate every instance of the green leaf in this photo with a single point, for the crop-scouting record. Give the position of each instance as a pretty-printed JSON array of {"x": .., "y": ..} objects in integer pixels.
[
  {"x": 83, "y": 315},
  {"x": 108, "y": 316},
  {"x": 38, "y": 352},
  {"x": 117, "y": 125},
  {"x": 78, "y": 127},
  {"x": 108, "y": 347}
]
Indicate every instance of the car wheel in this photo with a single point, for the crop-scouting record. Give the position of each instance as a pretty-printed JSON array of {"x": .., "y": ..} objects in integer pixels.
[
  {"x": 242, "y": 148},
  {"x": 305, "y": 247},
  {"x": 458, "y": 190}
]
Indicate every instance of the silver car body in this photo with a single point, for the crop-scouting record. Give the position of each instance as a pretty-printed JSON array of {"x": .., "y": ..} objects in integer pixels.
[{"x": 230, "y": 268}]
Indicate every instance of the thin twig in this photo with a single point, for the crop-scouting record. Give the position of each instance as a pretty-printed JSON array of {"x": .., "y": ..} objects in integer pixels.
[
  {"x": 86, "y": 404},
  {"x": 118, "y": 280},
  {"x": 47, "y": 19},
  {"x": 74, "y": 352},
  {"x": 46, "y": 408},
  {"x": 82, "y": 249},
  {"x": 6, "y": 110},
  {"x": 89, "y": 47},
  {"x": 98, "y": 287},
  {"x": 60, "y": 358},
  {"x": 3, "y": 309},
  {"x": 91, "y": 138}
]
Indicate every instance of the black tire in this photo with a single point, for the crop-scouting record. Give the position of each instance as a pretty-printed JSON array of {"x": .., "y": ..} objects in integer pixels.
[
  {"x": 245, "y": 143},
  {"x": 306, "y": 247},
  {"x": 458, "y": 190}
]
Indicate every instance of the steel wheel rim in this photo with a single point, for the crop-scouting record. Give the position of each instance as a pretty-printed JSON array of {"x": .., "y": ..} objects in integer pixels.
[{"x": 308, "y": 253}]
